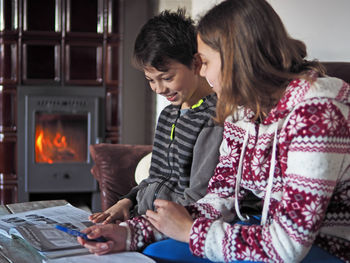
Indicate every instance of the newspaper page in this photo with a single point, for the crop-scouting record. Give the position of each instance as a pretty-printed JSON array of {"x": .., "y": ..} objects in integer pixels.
[{"x": 37, "y": 227}]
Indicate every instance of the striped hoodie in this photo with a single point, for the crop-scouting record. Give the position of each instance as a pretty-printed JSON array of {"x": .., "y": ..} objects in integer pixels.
[{"x": 184, "y": 155}]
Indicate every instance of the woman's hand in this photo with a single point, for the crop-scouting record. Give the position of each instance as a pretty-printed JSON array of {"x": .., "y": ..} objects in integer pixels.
[
  {"x": 114, "y": 234},
  {"x": 171, "y": 219},
  {"x": 117, "y": 212}
]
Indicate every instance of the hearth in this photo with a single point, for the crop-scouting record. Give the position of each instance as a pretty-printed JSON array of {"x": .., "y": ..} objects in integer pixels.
[{"x": 56, "y": 125}]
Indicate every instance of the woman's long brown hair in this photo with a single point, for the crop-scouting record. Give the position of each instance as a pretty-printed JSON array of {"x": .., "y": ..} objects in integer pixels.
[{"x": 258, "y": 57}]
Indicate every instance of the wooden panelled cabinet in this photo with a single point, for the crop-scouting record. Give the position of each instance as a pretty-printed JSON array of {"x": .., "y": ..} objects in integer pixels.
[{"x": 56, "y": 42}]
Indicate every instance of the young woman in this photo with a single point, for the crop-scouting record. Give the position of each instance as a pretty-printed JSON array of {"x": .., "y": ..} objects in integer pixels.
[{"x": 286, "y": 141}]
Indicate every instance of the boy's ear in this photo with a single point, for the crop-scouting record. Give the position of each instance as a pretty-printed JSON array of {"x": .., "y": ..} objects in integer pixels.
[{"x": 197, "y": 63}]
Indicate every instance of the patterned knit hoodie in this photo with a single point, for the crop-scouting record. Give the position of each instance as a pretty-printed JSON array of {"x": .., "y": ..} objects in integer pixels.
[{"x": 298, "y": 161}]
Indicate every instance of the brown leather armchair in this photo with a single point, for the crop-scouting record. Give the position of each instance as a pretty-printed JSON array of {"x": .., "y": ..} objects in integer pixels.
[
  {"x": 338, "y": 69},
  {"x": 115, "y": 164},
  {"x": 114, "y": 169}
]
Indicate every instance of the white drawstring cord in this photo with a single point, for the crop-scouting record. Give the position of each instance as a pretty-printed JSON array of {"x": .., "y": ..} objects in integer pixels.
[
  {"x": 239, "y": 176},
  {"x": 270, "y": 180}
]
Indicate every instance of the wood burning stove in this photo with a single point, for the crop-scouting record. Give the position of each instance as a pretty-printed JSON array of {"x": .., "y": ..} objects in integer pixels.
[{"x": 56, "y": 125}]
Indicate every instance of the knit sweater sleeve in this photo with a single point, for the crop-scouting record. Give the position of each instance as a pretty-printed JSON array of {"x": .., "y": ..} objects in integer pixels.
[
  {"x": 311, "y": 151},
  {"x": 140, "y": 233}
]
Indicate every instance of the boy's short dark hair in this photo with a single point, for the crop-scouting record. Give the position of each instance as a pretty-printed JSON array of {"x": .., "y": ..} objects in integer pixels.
[{"x": 169, "y": 35}]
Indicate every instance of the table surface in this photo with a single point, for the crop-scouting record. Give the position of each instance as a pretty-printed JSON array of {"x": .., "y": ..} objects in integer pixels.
[{"x": 12, "y": 250}]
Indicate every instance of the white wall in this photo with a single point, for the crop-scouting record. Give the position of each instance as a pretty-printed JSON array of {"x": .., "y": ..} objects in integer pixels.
[
  {"x": 200, "y": 7},
  {"x": 322, "y": 24},
  {"x": 174, "y": 4}
]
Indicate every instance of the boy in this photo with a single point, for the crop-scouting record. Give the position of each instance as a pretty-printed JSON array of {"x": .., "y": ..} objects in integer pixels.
[{"x": 186, "y": 143}]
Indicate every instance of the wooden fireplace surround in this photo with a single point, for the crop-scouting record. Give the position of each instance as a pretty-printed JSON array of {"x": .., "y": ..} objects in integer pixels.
[{"x": 59, "y": 43}]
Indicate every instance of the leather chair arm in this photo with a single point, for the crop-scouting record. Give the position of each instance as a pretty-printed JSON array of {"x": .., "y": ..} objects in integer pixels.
[{"x": 114, "y": 169}]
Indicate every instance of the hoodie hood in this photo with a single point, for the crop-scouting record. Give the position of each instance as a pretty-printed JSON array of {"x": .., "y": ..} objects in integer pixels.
[{"x": 300, "y": 90}]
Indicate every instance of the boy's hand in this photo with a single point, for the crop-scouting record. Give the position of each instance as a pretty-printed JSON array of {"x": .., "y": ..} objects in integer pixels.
[
  {"x": 115, "y": 235},
  {"x": 117, "y": 212},
  {"x": 171, "y": 219}
]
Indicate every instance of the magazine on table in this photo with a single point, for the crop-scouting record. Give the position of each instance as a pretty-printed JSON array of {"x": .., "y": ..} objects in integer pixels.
[
  {"x": 33, "y": 205},
  {"x": 27, "y": 206},
  {"x": 38, "y": 228}
]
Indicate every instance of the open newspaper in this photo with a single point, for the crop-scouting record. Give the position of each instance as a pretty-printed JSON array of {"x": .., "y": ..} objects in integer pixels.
[{"x": 37, "y": 228}]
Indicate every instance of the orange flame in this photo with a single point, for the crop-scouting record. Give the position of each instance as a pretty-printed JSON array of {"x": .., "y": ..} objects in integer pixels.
[{"x": 49, "y": 149}]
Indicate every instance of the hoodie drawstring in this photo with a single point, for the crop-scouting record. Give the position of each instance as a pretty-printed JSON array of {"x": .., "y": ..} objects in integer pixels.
[
  {"x": 239, "y": 176},
  {"x": 269, "y": 183},
  {"x": 270, "y": 180}
]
